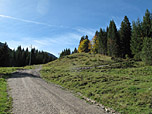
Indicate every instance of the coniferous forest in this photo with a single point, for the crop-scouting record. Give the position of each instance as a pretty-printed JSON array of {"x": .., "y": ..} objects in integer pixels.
[
  {"x": 21, "y": 57},
  {"x": 130, "y": 41}
]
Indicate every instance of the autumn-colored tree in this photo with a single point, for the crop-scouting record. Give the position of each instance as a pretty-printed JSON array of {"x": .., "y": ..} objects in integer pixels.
[
  {"x": 128, "y": 40},
  {"x": 85, "y": 46},
  {"x": 95, "y": 43}
]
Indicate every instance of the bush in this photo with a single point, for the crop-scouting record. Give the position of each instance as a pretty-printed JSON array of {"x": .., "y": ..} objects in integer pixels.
[
  {"x": 90, "y": 94},
  {"x": 117, "y": 59},
  {"x": 87, "y": 63},
  {"x": 128, "y": 63},
  {"x": 97, "y": 97}
]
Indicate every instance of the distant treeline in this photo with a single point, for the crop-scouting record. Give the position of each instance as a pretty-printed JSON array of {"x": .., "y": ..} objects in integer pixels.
[
  {"x": 21, "y": 57},
  {"x": 129, "y": 41},
  {"x": 67, "y": 52}
]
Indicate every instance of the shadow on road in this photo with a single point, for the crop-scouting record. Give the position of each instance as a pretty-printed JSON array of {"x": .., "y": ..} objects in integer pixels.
[{"x": 22, "y": 75}]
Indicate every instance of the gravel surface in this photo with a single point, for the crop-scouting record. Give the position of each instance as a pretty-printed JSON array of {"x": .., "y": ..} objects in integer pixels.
[{"x": 32, "y": 95}]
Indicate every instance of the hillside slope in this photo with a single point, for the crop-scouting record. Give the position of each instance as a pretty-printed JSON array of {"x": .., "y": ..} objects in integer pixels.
[
  {"x": 53, "y": 56},
  {"x": 124, "y": 86}
]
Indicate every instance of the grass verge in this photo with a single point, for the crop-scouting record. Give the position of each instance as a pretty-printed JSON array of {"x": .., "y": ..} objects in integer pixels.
[
  {"x": 123, "y": 86},
  {"x": 5, "y": 99}
]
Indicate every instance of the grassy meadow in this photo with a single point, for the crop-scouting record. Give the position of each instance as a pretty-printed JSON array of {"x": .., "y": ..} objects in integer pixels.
[{"x": 123, "y": 85}]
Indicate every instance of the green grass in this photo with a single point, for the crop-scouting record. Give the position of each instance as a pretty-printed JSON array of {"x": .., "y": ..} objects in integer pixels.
[
  {"x": 5, "y": 71},
  {"x": 5, "y": 99},
  {"x": 29, "y": 67},
  {"x": 125, "y": 87}
]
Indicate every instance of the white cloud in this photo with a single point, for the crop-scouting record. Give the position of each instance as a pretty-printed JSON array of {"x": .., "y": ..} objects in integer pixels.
[
  {"x": 86, "y": 31},
  {"x": 54, "y": 44},
  {"x": 29, "y": 21}
]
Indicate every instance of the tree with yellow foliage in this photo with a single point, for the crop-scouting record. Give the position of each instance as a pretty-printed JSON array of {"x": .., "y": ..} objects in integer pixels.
[
  {"x": 95, "y": 43},
  {"x": 85, "y": 45}
]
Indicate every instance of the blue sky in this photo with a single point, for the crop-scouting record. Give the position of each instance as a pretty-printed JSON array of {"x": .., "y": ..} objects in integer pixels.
[{"x": 53, "y": 25}]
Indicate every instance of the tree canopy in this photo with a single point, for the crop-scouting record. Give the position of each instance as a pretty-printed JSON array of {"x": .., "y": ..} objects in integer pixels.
[{"x": 128, "y": 41}]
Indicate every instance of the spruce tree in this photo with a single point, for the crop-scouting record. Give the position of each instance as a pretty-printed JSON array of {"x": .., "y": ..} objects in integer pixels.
[
  {"x": 146, "y": 25},
  {"x": 27, "y": 56},
  {"x": 65, "y": 52},
  {"x": 151, "y": 26},
  {"x": 102, "y": 38},
  {"x": 4, "y": 55},
  {"x": 19, "y": 56},
  {"x": 147, "y": 51},
  {"x": 125, "y": 37},
  {"x": 112, "y": 40},
  {"x": 136, "y": 40},
  {"x": 75, "y": 51}
]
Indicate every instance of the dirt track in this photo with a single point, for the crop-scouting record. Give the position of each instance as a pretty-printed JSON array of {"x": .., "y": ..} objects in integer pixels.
[{"x": 32, "y": 95}]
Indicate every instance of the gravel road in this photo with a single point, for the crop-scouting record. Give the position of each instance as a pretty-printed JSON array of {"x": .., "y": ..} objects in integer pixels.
[{"x": 32, "y": 95}]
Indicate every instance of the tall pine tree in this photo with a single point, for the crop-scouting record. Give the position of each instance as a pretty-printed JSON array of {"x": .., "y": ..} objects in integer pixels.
[
  {"x": 147, "y": 51},
  {"x": 146, "y": 25},
  {"x": 75, "y": 51},
  {"x": 125, "y": 37},
  {"x": 112, "y": 40},
  {"x": 4, "y": 55},
  {"x": 136, "y": 40},
  {"x": 102, "y": 37}
]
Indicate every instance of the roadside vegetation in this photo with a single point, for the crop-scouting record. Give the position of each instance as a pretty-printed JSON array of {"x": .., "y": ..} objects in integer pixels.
[
  {"x": 5, "y": 99},
  {"x": 124, "y": 85}
]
